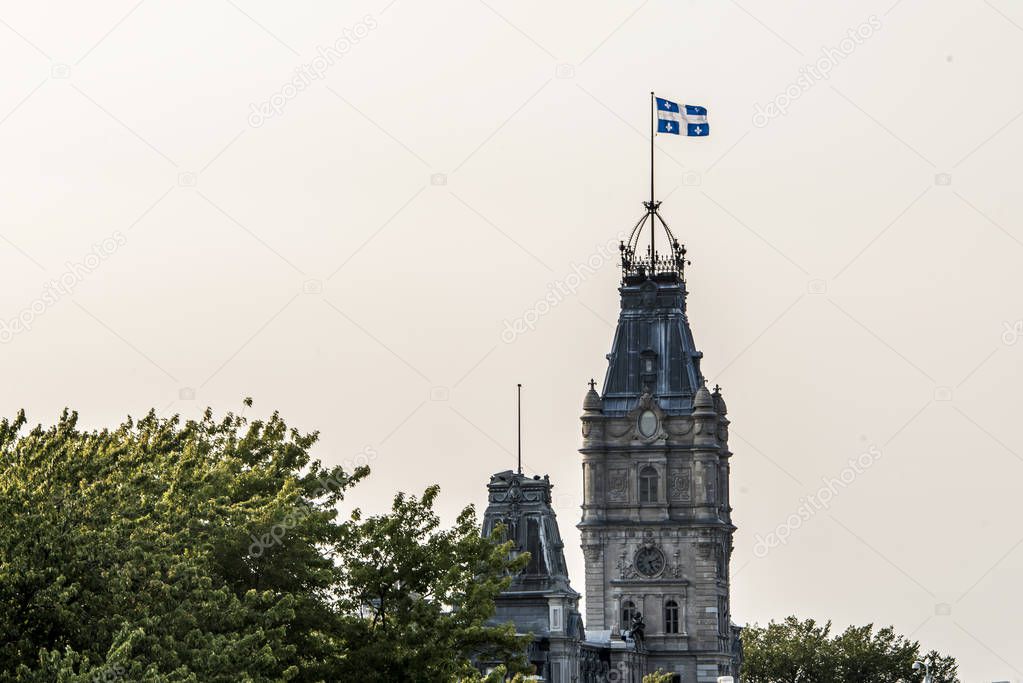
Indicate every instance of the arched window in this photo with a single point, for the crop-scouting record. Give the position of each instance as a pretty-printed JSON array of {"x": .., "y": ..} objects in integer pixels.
[
  {"x": 671, "y": 617},
  {"x": 648, "y": 485},
  {"x": 628, "y": 612}
]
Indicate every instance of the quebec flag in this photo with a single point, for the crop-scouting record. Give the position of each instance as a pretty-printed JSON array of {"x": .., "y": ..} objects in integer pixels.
[{"x": 681, "y": 120}]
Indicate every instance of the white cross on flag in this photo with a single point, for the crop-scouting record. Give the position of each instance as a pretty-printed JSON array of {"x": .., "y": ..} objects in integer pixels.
[{"x": 687, "y": 119}]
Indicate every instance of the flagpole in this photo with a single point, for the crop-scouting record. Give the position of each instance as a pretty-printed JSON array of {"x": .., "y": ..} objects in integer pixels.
[
  {"x": 651, "y": 207},
  {"x": 520, "y": 429}
]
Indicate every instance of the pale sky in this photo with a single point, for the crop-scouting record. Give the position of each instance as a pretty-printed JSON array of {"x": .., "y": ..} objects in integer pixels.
[{"x": 351, "y": 256}]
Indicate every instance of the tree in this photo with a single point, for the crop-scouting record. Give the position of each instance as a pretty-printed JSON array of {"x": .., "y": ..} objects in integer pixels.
[
  {"x": 498, "y": 675},
  {"x": 658, "y": 676},
  {"x": 209, "y": 550},
  {"x": 421, "y": 596},
  {"x": 795, "y": 651},
  {"x": 790, "y": 652}
]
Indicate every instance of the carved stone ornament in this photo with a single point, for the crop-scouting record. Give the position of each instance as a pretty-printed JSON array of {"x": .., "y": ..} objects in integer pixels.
[
  {"x": 618, "y": 484},
  {"x": 647, "y": 404},
  {"x": 680, "y": 426},
  {"x": 625, "y": 569},
  {"x": 680, "y": 484},
  {"x": 619, "y": 428}
]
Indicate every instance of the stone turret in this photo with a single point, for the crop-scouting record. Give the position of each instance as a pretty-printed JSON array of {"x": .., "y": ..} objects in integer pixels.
[{"x": 540, "y": 599}]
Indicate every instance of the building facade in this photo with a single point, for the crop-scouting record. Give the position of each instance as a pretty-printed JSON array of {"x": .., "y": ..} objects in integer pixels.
[{"x": 656, "y": 523}]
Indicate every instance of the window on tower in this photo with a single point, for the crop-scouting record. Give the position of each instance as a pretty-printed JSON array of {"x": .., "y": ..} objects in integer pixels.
[
  {"x": 648, "y": 485},
  {"x": 671, "y": 617},
  {"x": 628, "y": 612}
]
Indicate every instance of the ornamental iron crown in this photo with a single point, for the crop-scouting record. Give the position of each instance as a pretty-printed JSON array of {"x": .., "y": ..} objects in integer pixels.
[{"x": 652, "y": 264}]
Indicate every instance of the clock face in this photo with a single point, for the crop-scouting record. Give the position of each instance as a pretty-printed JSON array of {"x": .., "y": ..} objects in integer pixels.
[{"x": 649, "y": 561}]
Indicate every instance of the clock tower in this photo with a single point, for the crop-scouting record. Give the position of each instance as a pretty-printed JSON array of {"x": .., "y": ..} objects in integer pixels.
[{"x": 656, "y": 525}]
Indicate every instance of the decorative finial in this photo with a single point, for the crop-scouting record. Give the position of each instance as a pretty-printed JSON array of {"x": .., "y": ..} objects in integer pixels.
[
  {"x": 639, "y": 264},
  {"x": 593, "y": 384}
]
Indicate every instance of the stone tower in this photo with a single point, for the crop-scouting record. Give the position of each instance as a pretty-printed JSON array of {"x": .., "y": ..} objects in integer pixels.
[{"x": 656, "y": 525}]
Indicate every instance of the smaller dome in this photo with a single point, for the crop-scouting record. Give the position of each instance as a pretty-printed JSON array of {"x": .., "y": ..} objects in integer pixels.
[
  {"x": 703, "y": 398},
  {"x": 592, "y": 401}
]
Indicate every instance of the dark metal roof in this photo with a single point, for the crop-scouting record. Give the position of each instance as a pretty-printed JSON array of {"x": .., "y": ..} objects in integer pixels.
[
  {"x": 523, "y": 505},
  {"x": 653, "y": 349}
]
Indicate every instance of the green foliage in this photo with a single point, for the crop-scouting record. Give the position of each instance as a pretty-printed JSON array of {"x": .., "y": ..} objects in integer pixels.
[
  {"x": 498, "y": 675},
  {"x": 795, "y": 651},
  {"x": 424, "y": 594},
  {"x": 211, "y": 551},
  {"x": 658, "y": 676}
]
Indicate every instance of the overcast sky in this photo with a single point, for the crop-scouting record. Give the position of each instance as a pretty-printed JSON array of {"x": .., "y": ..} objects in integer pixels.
[{"x": 341, "y": 209}]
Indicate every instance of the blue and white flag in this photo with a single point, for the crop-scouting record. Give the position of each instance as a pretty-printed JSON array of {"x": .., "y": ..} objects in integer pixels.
[{"x": 681, "y": 120}]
